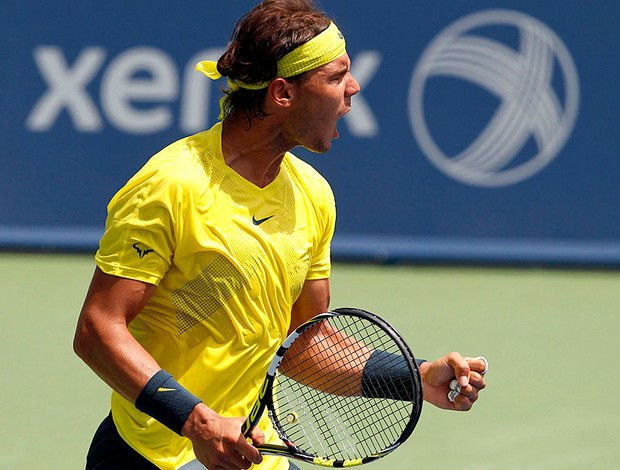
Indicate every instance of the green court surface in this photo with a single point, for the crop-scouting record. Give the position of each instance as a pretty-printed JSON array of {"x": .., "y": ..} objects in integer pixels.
[{"x": 551, "y": 338}]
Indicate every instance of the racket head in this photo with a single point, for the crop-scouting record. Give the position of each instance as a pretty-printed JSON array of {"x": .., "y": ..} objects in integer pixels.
[{"x": 323, "y": 415}]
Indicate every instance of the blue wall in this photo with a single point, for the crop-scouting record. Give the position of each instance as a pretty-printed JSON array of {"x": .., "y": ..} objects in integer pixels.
[{"x": 485, "y": 130}]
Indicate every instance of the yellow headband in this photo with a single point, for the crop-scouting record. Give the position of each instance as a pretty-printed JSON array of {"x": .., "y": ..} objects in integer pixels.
[{"x": 320, "y": 50}]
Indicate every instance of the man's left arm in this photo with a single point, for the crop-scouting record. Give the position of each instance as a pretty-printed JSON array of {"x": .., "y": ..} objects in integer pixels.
[{"x": 313, "y": 300}]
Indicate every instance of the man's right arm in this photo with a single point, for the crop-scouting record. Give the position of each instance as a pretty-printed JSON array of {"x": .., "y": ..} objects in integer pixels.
[{"x": 102, "y": 339}]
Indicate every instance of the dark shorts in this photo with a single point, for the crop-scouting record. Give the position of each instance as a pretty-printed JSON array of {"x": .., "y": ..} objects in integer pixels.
[{"x": 108, "y": 451}]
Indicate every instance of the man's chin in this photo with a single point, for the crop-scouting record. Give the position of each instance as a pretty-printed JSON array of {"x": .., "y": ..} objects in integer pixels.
[{"x": 319, "y": 149}]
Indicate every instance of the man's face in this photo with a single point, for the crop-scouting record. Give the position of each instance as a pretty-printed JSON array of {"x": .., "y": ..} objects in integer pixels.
[{"x": 322, "y": 97}]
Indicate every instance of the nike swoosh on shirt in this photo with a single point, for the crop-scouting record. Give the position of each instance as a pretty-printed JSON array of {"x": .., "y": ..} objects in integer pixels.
[
  {"x": 164, "y": 389},
  {"x": 256, "y": 221}
]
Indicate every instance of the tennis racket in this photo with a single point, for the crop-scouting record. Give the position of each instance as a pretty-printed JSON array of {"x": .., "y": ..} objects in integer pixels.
[{"x": 344, "y": 389}]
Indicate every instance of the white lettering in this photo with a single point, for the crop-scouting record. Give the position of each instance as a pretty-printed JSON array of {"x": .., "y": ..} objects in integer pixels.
[
  {"x": 124, "y": 83},
  {"x": 361, "y": 120},
  {"x": 66, "y": 89},
  {"x": 140, "y": 86}
]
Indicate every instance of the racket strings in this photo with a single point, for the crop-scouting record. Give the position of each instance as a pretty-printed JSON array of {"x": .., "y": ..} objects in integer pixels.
[
  {"x": 344, "y": 432},
  {"x": 393, "y": 374},
  {"x": 330, "y": 415}
]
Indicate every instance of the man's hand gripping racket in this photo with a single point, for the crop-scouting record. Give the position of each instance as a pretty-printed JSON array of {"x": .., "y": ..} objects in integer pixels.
[{"x": 344, "y": 389}]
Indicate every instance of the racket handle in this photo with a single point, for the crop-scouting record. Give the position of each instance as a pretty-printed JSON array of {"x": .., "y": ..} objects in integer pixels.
[
  {"x": 245, "y": 427},
  {"x": 258, "y": 408}
]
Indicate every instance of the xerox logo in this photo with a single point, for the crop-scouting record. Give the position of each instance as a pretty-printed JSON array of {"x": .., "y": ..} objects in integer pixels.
[
  {"x": 137, "y": 91},
  {"x": 534, "y": 81},
  {"x": 141, "y": 88}
]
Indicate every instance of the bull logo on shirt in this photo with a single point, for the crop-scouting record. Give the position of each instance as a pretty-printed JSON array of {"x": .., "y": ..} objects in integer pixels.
[{"x": 142, "y": 251}]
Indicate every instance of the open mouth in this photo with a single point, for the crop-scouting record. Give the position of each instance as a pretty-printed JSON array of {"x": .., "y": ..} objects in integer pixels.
[{"x": 336, "y": 134}]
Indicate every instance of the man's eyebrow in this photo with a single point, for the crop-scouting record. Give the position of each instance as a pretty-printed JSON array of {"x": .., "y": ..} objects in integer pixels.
[
  {"x": 343, "y": 69},
  {"x": 337, "y": 69}
]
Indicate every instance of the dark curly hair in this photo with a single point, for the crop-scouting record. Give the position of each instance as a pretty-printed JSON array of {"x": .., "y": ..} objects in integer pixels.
[{"x": 263, "y": 36}]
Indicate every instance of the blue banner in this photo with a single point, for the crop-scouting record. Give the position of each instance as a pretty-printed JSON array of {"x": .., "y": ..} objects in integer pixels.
[{"x": 484, "y": 130}]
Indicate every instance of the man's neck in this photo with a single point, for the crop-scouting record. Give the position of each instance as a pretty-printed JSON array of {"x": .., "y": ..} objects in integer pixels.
[{"x": 256, "y": 151}]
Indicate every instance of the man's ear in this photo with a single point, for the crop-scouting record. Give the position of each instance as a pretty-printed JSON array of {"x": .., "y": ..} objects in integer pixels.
[{"x": 281, "y": 92}]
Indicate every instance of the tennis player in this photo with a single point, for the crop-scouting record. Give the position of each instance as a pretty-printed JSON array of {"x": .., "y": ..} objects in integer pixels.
[{"x": 217, "y": 248}]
